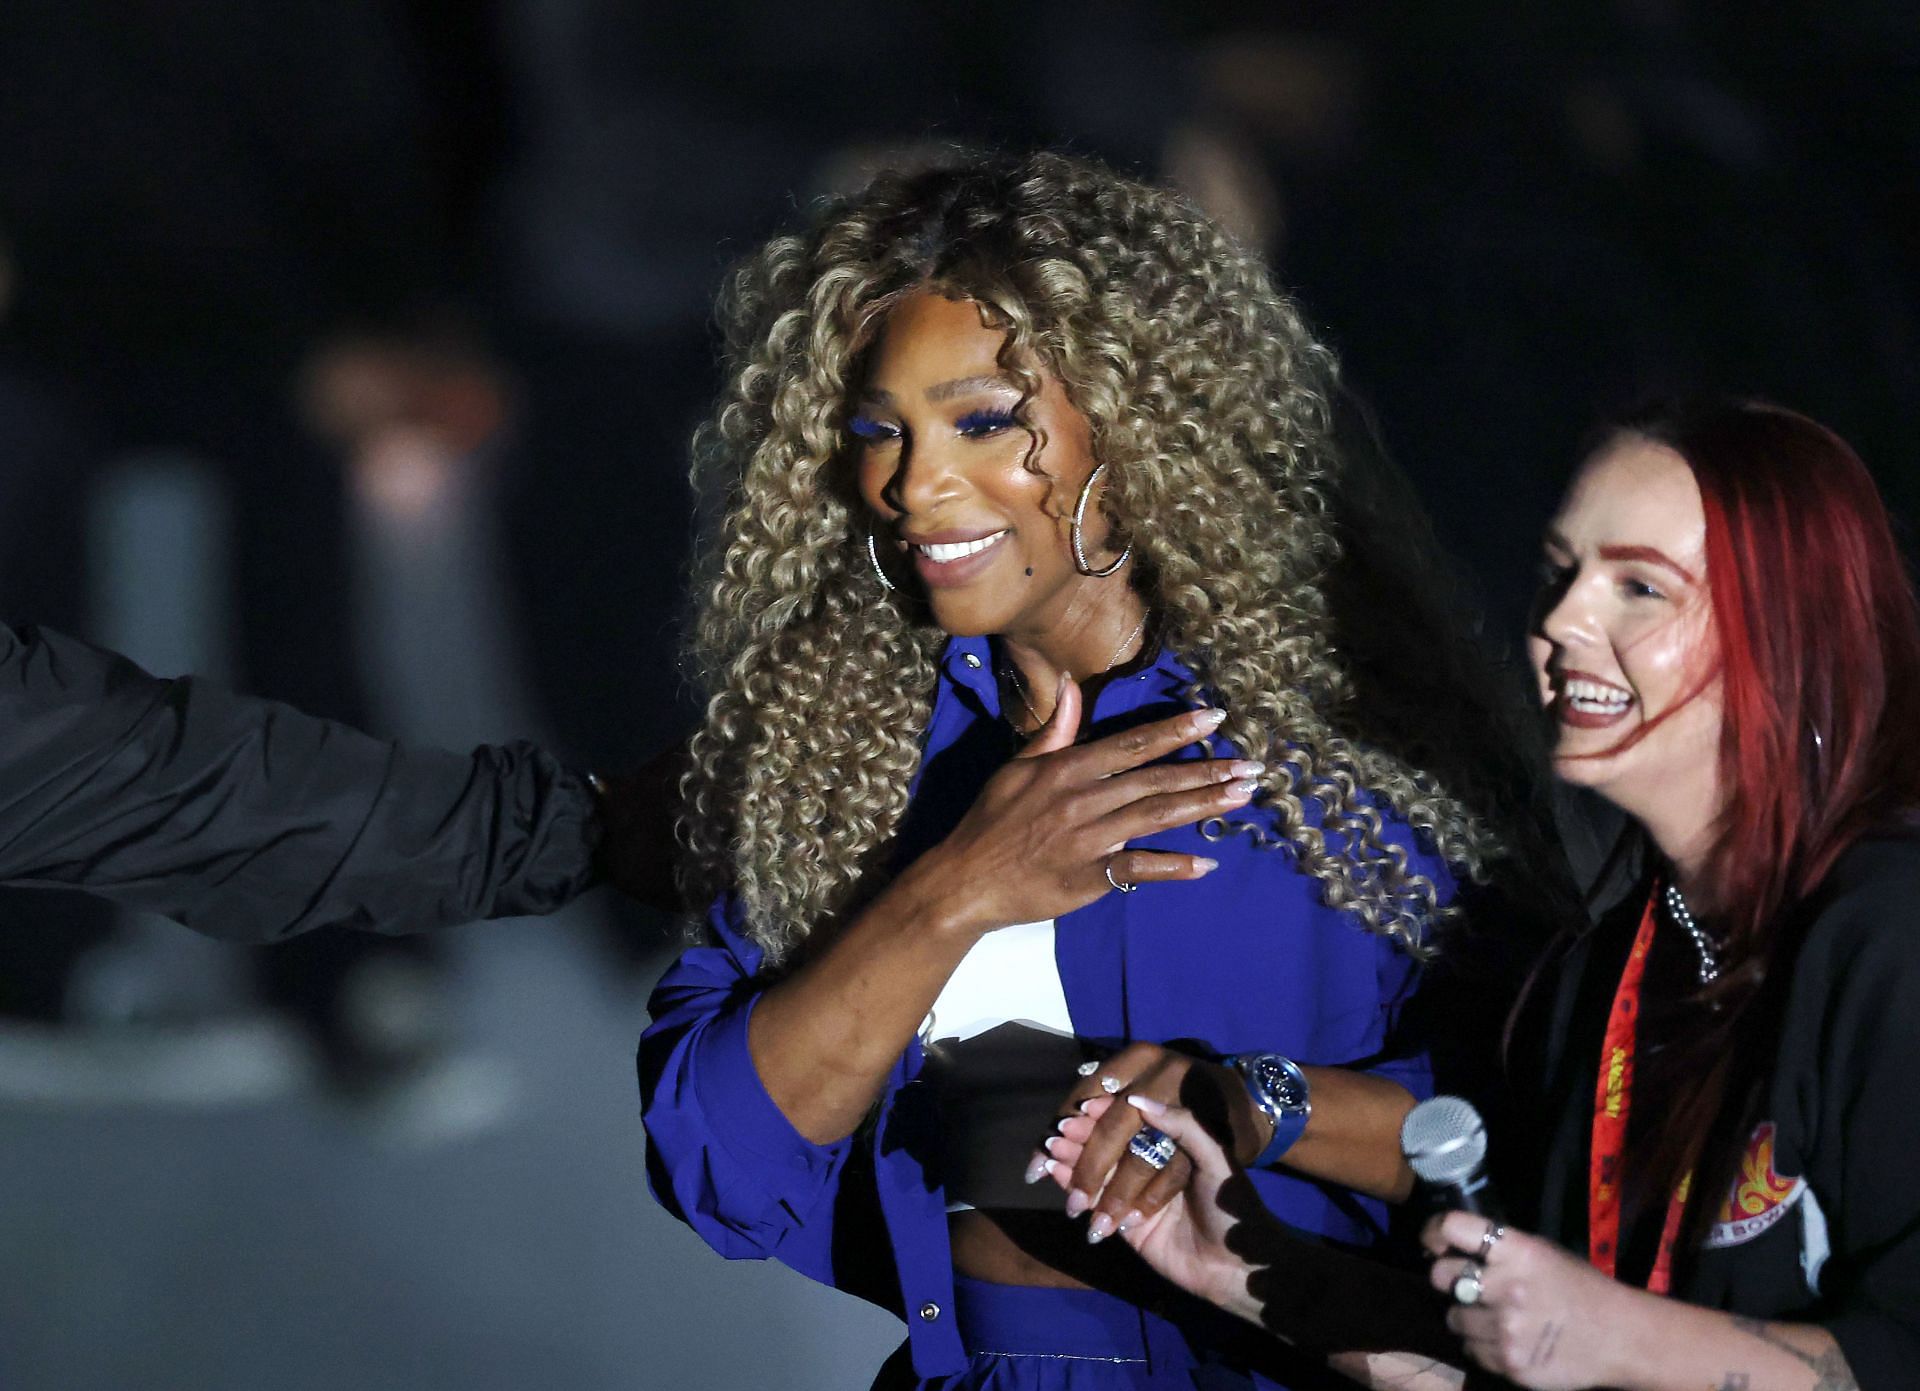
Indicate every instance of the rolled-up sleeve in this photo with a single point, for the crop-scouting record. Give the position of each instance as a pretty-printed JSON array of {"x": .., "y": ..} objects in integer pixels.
[
  {"x": 248, "y": 820},
  {"x": 721, "y": 1154}
]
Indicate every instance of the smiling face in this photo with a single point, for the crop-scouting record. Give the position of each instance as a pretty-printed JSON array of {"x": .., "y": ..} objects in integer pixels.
[
  {"x": 1622, "y": 642},
  {"x": 945, "y": 468}
]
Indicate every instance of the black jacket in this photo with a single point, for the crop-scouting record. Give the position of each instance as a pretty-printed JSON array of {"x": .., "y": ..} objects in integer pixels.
[
  {"x": 248, "y": 820},
  {"x": 1821, "y": 1223}
]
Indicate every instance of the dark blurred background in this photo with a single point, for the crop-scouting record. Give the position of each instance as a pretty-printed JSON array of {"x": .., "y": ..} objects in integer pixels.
[{"x": 348, "y": 351}]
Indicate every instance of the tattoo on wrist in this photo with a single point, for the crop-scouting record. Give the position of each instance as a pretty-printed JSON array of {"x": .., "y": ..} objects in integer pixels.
[{"x": 1829, "y": 1366}]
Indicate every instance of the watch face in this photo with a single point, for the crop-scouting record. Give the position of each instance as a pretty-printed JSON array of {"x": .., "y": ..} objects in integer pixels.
[{"x": 1280, "y": 1082}]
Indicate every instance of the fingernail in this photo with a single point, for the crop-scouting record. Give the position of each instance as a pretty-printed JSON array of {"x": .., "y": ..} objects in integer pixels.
[
  {"x": 1099, "y": 1229},
  {"x": 1247, "y": 768},
  {"x": 1086, "y": 1105},
  {"x": 1210, "y": 719},
  {"x": 1146, "y": 1103},
  {"x": 1037, "y": 1170},
  {"x": 1243, "y": 789},
  {"x": 1062, "y": 1124},
  {"x": 1077, "y": 1203},
  {"x": 1055, "y": 1168},
  {"x": 1049, "y": 1143},
  {"x": 1127, "y": 1222},
  {"x": 1204, "y": 865}
]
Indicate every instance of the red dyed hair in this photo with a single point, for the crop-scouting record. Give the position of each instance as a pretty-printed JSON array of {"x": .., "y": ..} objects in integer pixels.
[{"x": 1818, "y": 651}]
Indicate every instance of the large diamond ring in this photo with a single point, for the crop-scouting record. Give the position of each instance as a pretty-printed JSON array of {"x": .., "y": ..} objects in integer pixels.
[
  {"x": 1154, "y": 1148},
  {"x": 1468, "y": 1285},
  {"x": 1121, "y": 884},
  {"x": 1111, "y": 1085},
  {"x": 1089, "y": 1067},
  {"x": 1488, "y": 1240}
]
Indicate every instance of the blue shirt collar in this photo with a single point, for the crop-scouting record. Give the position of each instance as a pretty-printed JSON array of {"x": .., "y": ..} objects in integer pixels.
[{"x": 967, "y": 664}]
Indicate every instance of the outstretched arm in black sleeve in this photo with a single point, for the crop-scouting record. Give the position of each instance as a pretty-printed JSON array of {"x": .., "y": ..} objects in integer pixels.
[{"x": 248, "y": 820}]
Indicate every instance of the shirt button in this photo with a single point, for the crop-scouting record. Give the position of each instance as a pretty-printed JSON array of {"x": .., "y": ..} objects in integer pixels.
[
  {"x": 929, "y": 1311},
  {"x": 972, "y": 660}
]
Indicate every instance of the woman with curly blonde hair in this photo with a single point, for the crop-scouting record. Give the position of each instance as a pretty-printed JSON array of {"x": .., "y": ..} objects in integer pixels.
[{"x": 1029, "y": 745}]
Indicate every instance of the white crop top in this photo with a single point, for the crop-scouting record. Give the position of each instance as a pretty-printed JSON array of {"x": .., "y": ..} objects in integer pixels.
[{"x": 1008, "y": 975}]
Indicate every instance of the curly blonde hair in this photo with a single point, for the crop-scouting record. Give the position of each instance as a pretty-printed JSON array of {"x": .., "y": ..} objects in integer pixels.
[{"x": 1209, "y": 401}]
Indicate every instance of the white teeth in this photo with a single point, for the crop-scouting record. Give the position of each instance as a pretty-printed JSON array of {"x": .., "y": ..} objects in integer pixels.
[
  {"x": 1592, "y": 698},
  {"x": 958, "y": 550}
]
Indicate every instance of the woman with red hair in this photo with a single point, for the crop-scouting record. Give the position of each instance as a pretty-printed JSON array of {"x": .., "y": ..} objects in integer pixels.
[{"x": 1729, "y": 647}]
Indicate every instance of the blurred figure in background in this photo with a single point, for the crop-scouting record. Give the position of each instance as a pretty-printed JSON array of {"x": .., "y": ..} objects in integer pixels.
[{"x": 417, "y": 418}]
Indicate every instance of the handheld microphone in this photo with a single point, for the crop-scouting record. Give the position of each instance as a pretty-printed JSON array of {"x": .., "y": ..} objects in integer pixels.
[{"x": 1445, "y": 1143}]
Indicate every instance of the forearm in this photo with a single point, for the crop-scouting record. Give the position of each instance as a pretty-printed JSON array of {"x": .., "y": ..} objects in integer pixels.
[
  {"x": 503, "y": 831},
  {"x": 1319, "y": 1296},
  {"x": 1407, "y": 1316},
  {"x": 1398, "y": 1371},
  {"x": 1437, "y": 1369},
  {"x": 249, "y": 820},
  {"x": 1669, "y": 1345},
  {"x": 1353, "y": 1135},
  {"x": 824, "y": 1039}
]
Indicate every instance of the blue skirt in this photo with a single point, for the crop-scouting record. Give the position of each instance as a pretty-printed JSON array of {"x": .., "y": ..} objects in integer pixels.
[{"x": 1022, "y": 1338}]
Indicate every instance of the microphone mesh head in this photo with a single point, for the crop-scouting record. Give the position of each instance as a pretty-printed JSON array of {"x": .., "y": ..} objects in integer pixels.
[{"x": 1444, "y": 1140}]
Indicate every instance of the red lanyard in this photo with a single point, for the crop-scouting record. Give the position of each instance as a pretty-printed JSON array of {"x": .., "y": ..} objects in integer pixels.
[{"x": 1612, "y": 1101}]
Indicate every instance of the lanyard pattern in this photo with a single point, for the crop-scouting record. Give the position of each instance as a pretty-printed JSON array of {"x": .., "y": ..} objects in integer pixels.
[{"x": 1612, "y": 1104}]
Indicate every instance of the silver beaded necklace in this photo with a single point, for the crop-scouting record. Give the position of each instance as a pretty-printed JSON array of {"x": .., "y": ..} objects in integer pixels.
[{"x": 1683, "y": 919}]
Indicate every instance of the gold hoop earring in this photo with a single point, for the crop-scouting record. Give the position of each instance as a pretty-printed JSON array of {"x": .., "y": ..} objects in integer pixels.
[{"x": 1073, "y": 532}]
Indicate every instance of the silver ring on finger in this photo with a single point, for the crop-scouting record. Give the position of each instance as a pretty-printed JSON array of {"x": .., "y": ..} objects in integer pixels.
[
  {"x": 1089, "y": 1067},
  {"x": 1489, "y": 1239},
  {"x": 1154, "y": 1148},
  {"x": 1123, "y": 885},
  {"x": 1469, "y": 1284},
  {"x": 1111, "y": 1085}
]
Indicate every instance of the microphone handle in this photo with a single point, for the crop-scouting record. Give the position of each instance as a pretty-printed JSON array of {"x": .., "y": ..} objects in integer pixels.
[{"x": 1476, "y": 1195}]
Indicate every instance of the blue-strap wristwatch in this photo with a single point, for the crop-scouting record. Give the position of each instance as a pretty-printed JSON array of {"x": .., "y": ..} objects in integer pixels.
[{"x": 1279, "y": 1088}]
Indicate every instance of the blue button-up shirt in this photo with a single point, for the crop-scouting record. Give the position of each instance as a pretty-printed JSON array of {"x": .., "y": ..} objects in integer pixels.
[{"x": 1248, "y": 959}]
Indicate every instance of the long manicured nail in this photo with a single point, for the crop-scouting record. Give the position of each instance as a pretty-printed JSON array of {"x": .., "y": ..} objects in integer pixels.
[
  {"x": 1146, "y": 1104},
  {"x": 1086, "y": 1106},
  {"x": 1241, "y": 790},
  {"x": 1099, "y": 1229},
  {"x": 1132, "y": 1218},
  {"x": 1209, "y": 719},
  {"x": 1077, "y": 1203},
  {"x": 1247, "y": 768},
  {"x": 1204, "y": 865},
  {"x": 1037, "y": 1169},
  {"x": 1050, "y": 1142}
]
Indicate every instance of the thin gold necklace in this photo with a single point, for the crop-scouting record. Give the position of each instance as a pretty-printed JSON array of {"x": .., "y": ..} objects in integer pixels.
[{"x": 1020, "y": 686}]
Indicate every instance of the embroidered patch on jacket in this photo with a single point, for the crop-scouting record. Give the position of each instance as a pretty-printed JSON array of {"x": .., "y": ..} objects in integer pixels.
[{"x": 1760, "y": 1197}]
